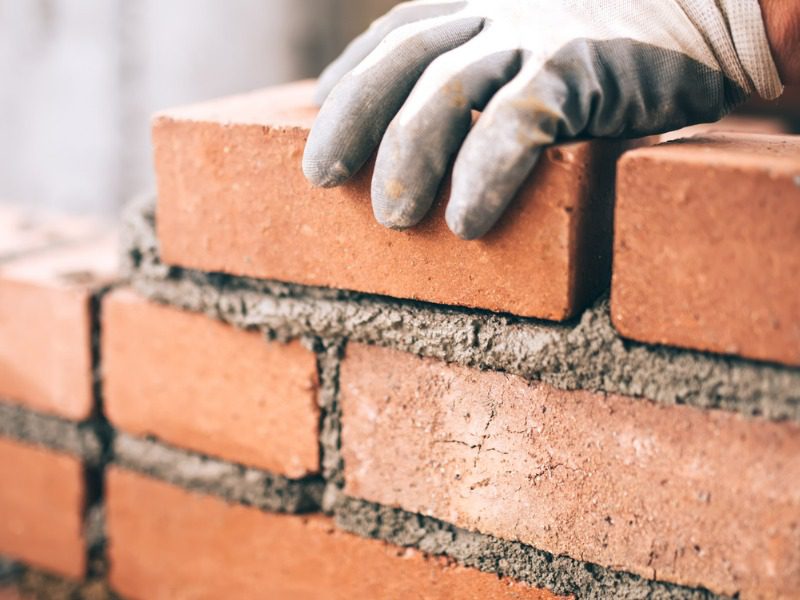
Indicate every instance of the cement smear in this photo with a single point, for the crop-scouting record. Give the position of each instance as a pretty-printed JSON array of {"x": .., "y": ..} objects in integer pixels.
[
  {"x": 560, "y": 574},
  {"x": 584, "y": 354},
  {"x": 33, "y": 584},
  {"x": 328, "y": 357},
  {"x": 77, "y": 439},
  {"x": 9, "y": 571},
  {"x": 232, "y": 482}
]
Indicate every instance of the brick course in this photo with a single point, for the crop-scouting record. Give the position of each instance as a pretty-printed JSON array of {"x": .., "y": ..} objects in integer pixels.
[
  {"x": 209, "y": 387},
  {"x": 586, "y": 354},
  {"x": 232, "y": 198},
  {"x": 167, "y": 542},
  {"x": 694, "y": 497},
  {"x": 707, "y": 246},
  {"x": 45, "y": 326},
  {"x": 41, "y": 508}
]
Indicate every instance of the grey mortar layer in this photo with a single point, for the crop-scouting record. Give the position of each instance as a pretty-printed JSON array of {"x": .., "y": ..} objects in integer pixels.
[
  {"x": 329, "y": 355},
  {"x": 78, "y": 439},
  {"x": 38, "y": 585},
  {"x": 584, "y": 354},
  {"x": 560, "y": 574},
  {"x": 232, "y": 482}
]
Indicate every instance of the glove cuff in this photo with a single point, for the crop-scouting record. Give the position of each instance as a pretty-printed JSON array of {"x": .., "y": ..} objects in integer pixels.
[
  {"x": 736, "y": 32},
  {"x": 746, "y": 22}
]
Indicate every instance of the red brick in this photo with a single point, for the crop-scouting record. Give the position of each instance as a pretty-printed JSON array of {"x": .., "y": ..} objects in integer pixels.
[
  {"x": 200, "y": 384},
  {"x": 167, "y": 542},
  {"x": 232, "y": 198},
  {"x": 707, "y": 247},
  {"x": 45, "y": 327},
  {"x": 701, "y": 498},
  {"x": 41, "y": 503}
]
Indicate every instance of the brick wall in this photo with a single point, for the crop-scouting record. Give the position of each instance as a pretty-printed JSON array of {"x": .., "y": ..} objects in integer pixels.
[{"x": 266, "y": 405}]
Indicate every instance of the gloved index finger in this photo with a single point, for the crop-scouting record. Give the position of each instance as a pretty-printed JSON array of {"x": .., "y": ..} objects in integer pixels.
[
  {"x": 502, "y": 149},
  {"x": 364, "y": 44},
  {"x": 427, "y": 132}
]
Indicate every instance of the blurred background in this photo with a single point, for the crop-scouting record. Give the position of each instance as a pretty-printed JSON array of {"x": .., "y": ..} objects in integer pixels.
[{"x": 80, "y": 79}]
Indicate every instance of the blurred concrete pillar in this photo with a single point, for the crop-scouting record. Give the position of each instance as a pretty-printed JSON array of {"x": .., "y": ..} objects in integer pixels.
[{"x": 58, "y": 102}]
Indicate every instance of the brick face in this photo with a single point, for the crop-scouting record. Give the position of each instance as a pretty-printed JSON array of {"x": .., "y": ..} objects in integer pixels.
[
  {"x": 707, "y": 246},
  {"x": 45, "y": 327},
  {"x": 232, "y": 198},
  {"x": 167, "y": 542},
  {"x": 41, "y": 502},
  {"x": 202, "y": 385},
  {"x": 690, "y": 496}
]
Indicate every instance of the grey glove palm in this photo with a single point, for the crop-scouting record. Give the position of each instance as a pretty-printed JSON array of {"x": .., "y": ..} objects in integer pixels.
[{"x": 541, "y": 71}]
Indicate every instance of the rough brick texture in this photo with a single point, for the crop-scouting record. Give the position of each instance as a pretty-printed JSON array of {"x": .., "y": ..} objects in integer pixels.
[
  {"x": 167, "y": 542},
  {"x": 41, "y": 506},
  {"x": 45, "y": 326},
  {"x": 199, "y": 384},
  {"x": 707, "y": 246},
  {"x": 232, "y": 198},
  {"x": 700, "y": 498}
]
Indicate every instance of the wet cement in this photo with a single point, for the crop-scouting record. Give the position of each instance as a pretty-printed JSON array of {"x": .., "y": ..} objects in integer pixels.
[
  {"x": 54, "y": 433},
  {"x": 584, "y": 354},
  {"x": 232, "y": 482},
  {"x": 33, "y": 584}
]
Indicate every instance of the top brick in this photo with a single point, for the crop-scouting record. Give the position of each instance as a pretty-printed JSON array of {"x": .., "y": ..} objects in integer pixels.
[
  {"x": 232, "y": 198},
  {"x": 707, "y": 247}
]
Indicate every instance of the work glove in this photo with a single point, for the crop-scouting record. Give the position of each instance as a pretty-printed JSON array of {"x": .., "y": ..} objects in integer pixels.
[{"x": 541, "y": 71}]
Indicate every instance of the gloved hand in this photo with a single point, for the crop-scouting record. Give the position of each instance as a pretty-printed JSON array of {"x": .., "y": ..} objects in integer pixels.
[{"x": 541, "y": 71}]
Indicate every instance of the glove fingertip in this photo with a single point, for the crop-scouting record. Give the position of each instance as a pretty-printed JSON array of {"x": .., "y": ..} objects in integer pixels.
[
  {"x": 392, "y": 206},
  {"x": 325, "y": 174},
  {"x": 465, "y": 228}
]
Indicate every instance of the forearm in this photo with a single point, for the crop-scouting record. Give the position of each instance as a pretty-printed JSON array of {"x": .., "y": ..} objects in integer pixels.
[{"x": 782, "y": 19}]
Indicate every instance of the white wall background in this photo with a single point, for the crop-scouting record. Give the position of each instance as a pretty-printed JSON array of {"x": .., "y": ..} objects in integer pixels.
[{"x": 80, "y": 78}]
